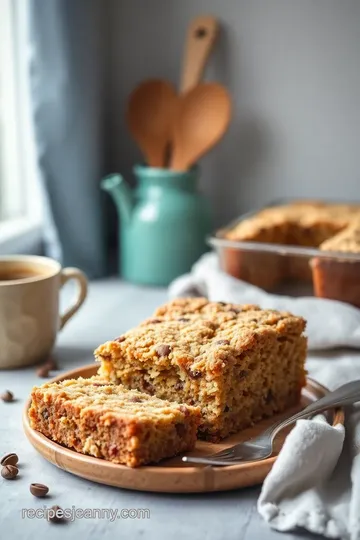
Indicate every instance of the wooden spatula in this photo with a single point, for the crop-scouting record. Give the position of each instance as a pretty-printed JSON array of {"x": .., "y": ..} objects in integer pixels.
[
  {"x": 150, "y": 116},
  {"x": 200, "y": 39},
  {"x": 201, "y": 119}
]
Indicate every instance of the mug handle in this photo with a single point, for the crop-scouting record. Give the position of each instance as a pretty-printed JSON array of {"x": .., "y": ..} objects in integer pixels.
[{"x": 66, "y": 275}]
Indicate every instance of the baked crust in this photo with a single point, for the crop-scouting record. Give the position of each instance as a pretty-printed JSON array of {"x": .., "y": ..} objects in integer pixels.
[
  {"x": 346, "y": 241},
  {"x": 307, "y": 224}
]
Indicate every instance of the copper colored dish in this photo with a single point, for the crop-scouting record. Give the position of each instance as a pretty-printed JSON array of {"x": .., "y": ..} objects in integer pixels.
[{"x": 294, "y": 270}]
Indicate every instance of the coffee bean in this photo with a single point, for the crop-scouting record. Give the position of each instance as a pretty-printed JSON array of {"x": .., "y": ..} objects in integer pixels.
[
  {"x": 45, "y": 414},
  {"x": 52, "y": 363},
  {"x": 9, "y": 459},
  {"x": 7, "y": 396},
  {"x": 45, "y": 368},
  {"x": 223, "y": 342},
  {"x": 120, "y": 339},
  {"x": 9, "y": 472},
  {"x": 43, "y": 371},
  {"x": 194, "y": 374},
  {"x": 38, "y": 490},
  {"x": 163, "y": 350},
  {"x": 135, "y": 399},
  {"x": 56, "y": 514}
]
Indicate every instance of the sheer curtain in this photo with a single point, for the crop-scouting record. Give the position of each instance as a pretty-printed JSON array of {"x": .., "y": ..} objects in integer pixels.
[{"x": 66, "y": 68}]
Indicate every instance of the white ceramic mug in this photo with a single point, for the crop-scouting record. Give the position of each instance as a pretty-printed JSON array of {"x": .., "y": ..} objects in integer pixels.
[{"x": 29, "y": 307}]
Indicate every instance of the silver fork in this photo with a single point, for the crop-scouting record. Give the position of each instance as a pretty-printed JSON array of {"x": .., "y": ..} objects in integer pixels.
[{"x": 261, "y": 447}]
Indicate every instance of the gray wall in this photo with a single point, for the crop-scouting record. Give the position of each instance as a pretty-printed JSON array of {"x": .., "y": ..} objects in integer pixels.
[{"x": 293, "y": 68}]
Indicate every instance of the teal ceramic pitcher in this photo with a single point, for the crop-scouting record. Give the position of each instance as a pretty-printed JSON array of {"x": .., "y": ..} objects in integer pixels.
[{"x": 163, "y": 223}]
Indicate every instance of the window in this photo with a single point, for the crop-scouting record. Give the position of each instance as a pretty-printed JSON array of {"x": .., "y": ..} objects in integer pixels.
[{"x": 20, "y": 207}]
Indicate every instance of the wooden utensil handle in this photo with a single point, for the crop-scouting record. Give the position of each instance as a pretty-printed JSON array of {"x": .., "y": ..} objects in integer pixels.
[{"x": 200, "y": 39}]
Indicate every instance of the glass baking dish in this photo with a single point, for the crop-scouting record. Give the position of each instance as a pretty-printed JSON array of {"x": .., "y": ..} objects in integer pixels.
[{"x": 290, "y": 269}]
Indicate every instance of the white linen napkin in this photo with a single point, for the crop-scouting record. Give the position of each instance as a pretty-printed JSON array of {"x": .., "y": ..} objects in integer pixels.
[
  {"x": 315, "y": 482},
  {"x": 330, "y": 323}
]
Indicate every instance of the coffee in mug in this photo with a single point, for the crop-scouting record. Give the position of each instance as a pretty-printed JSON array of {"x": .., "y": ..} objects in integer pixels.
[{"x": 29, "y": 307}]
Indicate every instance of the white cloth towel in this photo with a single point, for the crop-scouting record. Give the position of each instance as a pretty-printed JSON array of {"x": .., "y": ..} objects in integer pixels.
[
  {"x": 330, "y": 323},
  {"x": 315, "y": 482}
]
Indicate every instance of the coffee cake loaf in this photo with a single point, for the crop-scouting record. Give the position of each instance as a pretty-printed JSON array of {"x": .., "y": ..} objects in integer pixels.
[
  {"x": 112, "y": 422},
  {"x": 237, "y": 363}
]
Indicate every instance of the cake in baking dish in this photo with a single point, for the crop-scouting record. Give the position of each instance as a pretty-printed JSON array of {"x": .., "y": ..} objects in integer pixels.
[{"x": 309, "y": 224}]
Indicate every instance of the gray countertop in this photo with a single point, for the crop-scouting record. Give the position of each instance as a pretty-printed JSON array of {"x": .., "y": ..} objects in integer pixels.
[{"x": 111, "y": 308}]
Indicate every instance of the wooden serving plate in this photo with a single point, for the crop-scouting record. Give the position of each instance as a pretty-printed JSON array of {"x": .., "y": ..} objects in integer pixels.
[{"x": 171, "y": 475}]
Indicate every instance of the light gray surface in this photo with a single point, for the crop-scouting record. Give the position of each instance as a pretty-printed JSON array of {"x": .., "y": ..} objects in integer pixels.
[
  {"x": 112, "y": 307},
  {"x": 292, "y": 69}
]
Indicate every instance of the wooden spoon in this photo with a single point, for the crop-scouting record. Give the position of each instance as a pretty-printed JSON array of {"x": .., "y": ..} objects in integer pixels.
[
  {"x": 200, "y": 39},
  {"x": 201, "y": 119},
  {"x": 150, "y": 115}
]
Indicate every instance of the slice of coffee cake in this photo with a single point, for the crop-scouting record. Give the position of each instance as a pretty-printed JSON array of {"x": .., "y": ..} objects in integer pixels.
[
  {"x": 238, "y": 363},
  {"x": 112, "y": 422}
]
